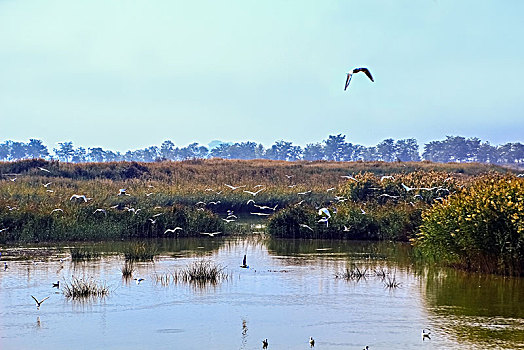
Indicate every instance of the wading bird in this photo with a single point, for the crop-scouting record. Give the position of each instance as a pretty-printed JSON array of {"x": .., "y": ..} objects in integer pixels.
[
  {"x": 358, "y": 70},
  {"x": 326, "y": 220},
  {"x": 38, "y": 303},
  {"x": 311, "y": 342},
  {"x": 264, "y": 344},
  {"x": 3, "y": 229}
]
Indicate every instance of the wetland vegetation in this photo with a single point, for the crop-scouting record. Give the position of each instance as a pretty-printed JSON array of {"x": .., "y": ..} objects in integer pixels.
[{"x": 450, "y": 212}]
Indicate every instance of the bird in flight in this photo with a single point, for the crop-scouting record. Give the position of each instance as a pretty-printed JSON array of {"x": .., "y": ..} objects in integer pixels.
[
  {"x": 173, "y": 229},
  {"x": 358, "y": 70},
  {"x": 234, "y": 187},
  {"x": 211, "y": 234},
  {"x": 77, "y": 196},
  {"x": 253, "y": 193},
  {"x": 38, "y": 303}
]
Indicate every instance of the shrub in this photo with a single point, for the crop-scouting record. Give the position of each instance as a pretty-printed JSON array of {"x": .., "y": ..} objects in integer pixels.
[{"x": 481, "y": 228}]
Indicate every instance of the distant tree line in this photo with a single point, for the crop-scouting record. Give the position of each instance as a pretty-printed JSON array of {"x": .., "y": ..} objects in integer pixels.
[{"x": 335, "y": 147}]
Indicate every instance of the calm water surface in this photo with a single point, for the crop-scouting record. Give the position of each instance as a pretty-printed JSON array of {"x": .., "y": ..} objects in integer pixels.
[{"x": 288, "y": 293}]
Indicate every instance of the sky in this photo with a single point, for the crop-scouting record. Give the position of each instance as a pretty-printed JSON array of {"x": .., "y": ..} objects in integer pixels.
[{"x": 125, "y": 75}]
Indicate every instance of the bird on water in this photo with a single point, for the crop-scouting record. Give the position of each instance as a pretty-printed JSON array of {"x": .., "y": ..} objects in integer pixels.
[{"x": 358, "y": 70}]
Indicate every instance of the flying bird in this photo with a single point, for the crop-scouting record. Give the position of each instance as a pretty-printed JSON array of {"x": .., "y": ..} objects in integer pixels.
[
  {"x": 122, "y": 192},
  {"x": 254, "y": 193},
  {"x": 99, "y": 210},
  {"x": 43, "y": 169},
  {"x": 306, "y": 226},
  {"x": 425, "y": 334},
  {"x": 357, "y": 70},
  {"x": 324, "y": 211},
  {"x": 234, "y": 187},
  {"x": 38, "y": 303},
  {"x": 173, "y": 229},
  {"x": 211, "y": 234},
  {"x": 56, "y": 285},
  {"x": 138, "y": 280},
  {"x": 77, "y": 196},
  {"x": 47, "y": 184}
]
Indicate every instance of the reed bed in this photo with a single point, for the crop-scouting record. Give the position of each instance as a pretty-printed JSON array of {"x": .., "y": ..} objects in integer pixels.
[
  {"x": 139, "y": 251},
  {"x": 81, "y": 289}
]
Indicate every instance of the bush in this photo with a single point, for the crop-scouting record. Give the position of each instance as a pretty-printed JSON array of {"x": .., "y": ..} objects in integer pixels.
[{"x": 481, "y": 228}]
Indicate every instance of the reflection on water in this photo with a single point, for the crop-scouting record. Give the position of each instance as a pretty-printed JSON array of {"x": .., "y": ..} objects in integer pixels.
[
  {"x": 288, "y": 294},
  {"x": 477, "y": 308}
]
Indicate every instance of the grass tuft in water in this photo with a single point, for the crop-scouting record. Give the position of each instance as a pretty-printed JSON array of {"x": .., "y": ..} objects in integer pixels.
[
  {"x": 391, "y": 282},
  {"x": 127, "y": 269},
  {"x": 80, "y": 288}
]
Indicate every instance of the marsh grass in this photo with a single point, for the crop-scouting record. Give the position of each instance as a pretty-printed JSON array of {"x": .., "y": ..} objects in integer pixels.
[
  {"x": 390, "y": 282},
  {"x": 127, "y": 269},
  {"x": 83, "y": 254},
  {"x": 200, "y": 273},
  {"x": 353, "y": 273},
  {"x": 139, "y": 251},
  {"x": 81, "y": 289}
]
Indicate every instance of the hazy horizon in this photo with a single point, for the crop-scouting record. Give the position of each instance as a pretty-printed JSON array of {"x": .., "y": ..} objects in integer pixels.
[{"x": 123, "y": 76}]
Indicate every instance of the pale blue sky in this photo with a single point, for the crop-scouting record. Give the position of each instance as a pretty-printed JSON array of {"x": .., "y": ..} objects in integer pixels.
[{"x": 130, "y": 74}]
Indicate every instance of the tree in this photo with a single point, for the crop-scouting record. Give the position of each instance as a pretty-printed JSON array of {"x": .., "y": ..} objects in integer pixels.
[
  {"x": 335, "y": 147},
  {"x": 96, "y": 154},
  {"x": 407, "y": 150},
  {"x": 167, "y": 150},
  {"x": 387, "y": 150},
  {"x": 64, "y": 151},
  {"x": 314, "y": 151},
  {"x": 79, "y": 155},
  {"x": 36, "y": 149},
  {"x": 4, "y": 150},
  {"x": 283, "y": 150}
]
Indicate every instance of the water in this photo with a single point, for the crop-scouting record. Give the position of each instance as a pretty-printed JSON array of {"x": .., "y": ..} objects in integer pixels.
[{"x": 288, "y": 294}]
